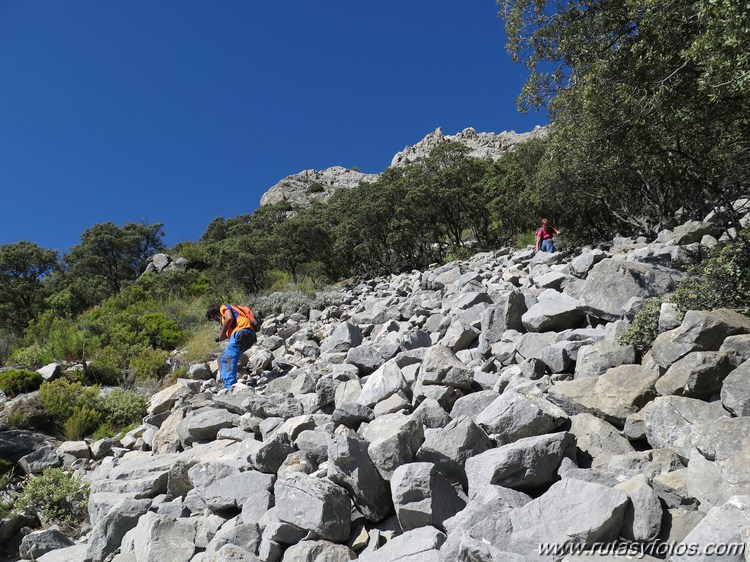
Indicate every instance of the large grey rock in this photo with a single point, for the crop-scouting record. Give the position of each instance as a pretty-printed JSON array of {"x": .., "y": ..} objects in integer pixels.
[
  {"x": 352, "y": 414},
  {"x": 17, "y": 443},
  {"x": 314, "y": 443},
  {"x": 224, "y": 487},
  {"x": 277, "y": 406},
  {"x": 441, "y": 367},
  {"x": 314, "y": 505},
  {"x": 597, "y": 358},
  {"x": 735, "y": 390},
  {"x": 431, "y": 414},
  {"x": 597, "y": 441},
  {"x": 268, "y": 455},
  {"x": 381, "y": 384},
  {"x": 423, "y": 496},
  {"x": 697, "y": 375},
  {"x": 394, "y": 440},
  {"x": 582, "y": 264},
  {"x": 107, "y": 534},
  {"x": 484, "y": 519},
  {"x": 205, "y": 425},
  {"x": 738, "y": 348},
  {"x": 167, "y": 438},
  {"x": 724, "y": 527},
  {"x": 68, "y": 554},
  {"x": 670, "y": 421},
  {"x": 644, "y": 514},
  {"x": 38, "y": 543},
  {"x": 613, "y": 396},
  {"x": 318, "y": 551},
  {"x": 472, "y": 404},
  {"x": 39, "y": 460},
  {"x": 450, "y": 447},
  {"x": 163, "y": 400},
  {"x": 526, "y": 465},
  {"x": 160, "y": 538},
  {"x": 719, "y": 464},
  {"x": 699, "y": 331},
  {"x": 418, "y": 545},
  {"x": 504, "y": 315},
  {"x": 343, "y": 338},
  {"x": 512, "y": 416},
  {"x": 350, "y": 467},
  {"x": 244, "y": 535},
  {"x": 612, "y": 283},
  {"x": 560, "y": 517},
  {"x": 366, "y": 357},
  {"x": 553, "y": 313},
  {"x": 692, "y": 232}
]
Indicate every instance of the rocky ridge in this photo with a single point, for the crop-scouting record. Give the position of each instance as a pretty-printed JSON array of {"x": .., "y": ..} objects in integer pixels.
[
  {"x": 302, "y": 189},
  {"x": 470, "y": 412},
  {"x": 488, "y": 146}
]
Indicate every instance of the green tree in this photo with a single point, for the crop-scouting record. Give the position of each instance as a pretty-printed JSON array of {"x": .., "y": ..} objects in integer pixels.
[
  {"x": 642, "y": 122},
  {"x": 110, "y": 256},
  {"x": 302, "y": 239},
  {"x": 23, "y": 268}
]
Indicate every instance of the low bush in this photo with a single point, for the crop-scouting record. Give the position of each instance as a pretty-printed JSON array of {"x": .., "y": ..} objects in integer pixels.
[
  {"x": 722, "y": 280},
  {"x": 123, "y": 407},
  {"x": 19, "y": 381},
  {"x": 644, "y": 328},
  {"x": 62, "y": 398},
  {"x": 17, "y": 420},
  {"x": 148, "y": 364},
  {"x": 81, "y": 423},
  {"x": 57, "y": 498},
  {"x": 30, "y": 357}
]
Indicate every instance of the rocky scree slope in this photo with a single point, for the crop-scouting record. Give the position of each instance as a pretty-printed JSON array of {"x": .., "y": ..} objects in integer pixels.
[
  {"x": 465, "y": 413},
  {"x": 302, "y": 189}
]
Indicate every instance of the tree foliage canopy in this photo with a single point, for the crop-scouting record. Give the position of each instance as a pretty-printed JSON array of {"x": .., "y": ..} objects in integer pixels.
[{"x": 650, "y": 101}]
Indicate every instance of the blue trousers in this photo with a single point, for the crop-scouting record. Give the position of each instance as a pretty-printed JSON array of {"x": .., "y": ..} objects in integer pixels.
[
  {"x": 548, "y": 245},
  {"x": 239, "y": 342}
]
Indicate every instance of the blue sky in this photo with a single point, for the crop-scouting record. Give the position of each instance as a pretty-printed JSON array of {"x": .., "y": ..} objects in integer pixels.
[{"x": 179, "y": 111}]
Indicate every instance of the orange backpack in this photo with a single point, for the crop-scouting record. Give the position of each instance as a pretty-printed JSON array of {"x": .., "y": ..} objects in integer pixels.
[{"x": 247, "y": 312}]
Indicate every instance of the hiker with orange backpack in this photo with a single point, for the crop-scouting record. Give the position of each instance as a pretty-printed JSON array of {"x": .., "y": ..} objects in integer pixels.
[{"x": 238, "y": 325}]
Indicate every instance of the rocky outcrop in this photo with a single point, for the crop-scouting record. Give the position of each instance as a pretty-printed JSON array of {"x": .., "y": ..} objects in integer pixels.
[
  {"x": 300, "y": 190},
  {"x": 459, "y": 413},
  {"x": 489, "y": 146}
]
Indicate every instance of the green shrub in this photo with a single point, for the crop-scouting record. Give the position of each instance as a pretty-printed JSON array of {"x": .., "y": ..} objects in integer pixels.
[
  {"x": 17, "y": 420},
  {"x": 124, "y": 407},
  {"x": 316, "y": 187},
  {"x": 62, "y": 398},
  {"x": 19, "y": 381},
  {"x": 525, "y": 240},
  {"x": 81, "y": 423},
  {"x": 723, "y": 280},
  {"x": 644, "y": 328},
  {"x": 58, "y": 498},
  {"x": 104, "y": 431},
  {"x": 148, "y": 364},
  {"x": 161, "y": 332},
  {"x": 30, "y": 357},
  {"x": 107, "y": 365}
]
